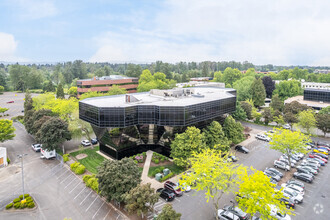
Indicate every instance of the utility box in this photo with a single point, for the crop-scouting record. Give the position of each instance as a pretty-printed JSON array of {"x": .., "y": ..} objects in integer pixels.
[
  {"x": 158, "y": 176},
  {"x": 166, "y": 172}
]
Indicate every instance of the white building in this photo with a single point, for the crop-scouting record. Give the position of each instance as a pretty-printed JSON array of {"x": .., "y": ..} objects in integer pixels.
[
  {"x": 3, "y": 157},
  {"x": 314, "y": 85}
]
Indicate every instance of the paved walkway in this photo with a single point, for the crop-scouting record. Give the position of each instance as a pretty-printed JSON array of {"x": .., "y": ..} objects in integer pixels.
[{"x": 145, "y": 179}]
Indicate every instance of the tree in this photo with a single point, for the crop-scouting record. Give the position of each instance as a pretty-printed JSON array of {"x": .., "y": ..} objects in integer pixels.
[
  {"x": 278, "y": 118},
  {"x": 290, "y": 118},
  {"x": 29, "y": 125},
  {"x": 205, "y": 71},
  {"x": 233, "y": 130},
  {"x": 184, "y": 144},
  {"x": 325, "y": 110},
  {"x": 53, "y": 133},
  {"x": 231, "y": 75},
  {"x": 141, "y": 199},
  {"x": 79, "y": 128},
  {"x": 307, "y": 120},
  {"x": 168, "y": 213},
  {"x": 269, "y": 85},
  {"x": 3, "y": 110},
  {"x": 212, "y": 174},
  {"x": 116, "y": 90},
  {"x": 267, "y": 114},
  {"x": 217, "y": 76},
  {"x": 73, "y": 91},
  {"x": 276, "y": 103},
  {"x": 247, "y": 107},
  {"x": 38, "y": 124},
  {"x": 2, "y": 89},
  {"x": 60, "y": 92},
  {"x": 6, "y": 130},
  {"x": 28, "y": 102},
  {"x": 118, "y": 177},
  {"x": 256, "y": 193},
  {"x": 289, "y": 142},
  {"x": 286, "y": 89},
  {"x": 323, "y": 123},
  {"x": 295, "y": 107},
  {"x": 239, "y": 113},
  {"x": 243, "y": 88},
  {"x": 49, "y": 87},
  {"x": 258, "y": 92},
  {"x": 214, "y": 136}
]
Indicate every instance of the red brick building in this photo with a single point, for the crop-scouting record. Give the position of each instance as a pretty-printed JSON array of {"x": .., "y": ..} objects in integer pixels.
[{"x": 104, "y": 83}]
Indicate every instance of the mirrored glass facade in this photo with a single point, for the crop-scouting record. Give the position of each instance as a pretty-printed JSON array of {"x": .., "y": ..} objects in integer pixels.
[{"x": 317, "y": 95}]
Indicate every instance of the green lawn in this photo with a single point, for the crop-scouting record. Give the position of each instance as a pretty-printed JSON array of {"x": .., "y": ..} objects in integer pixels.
[
  {"x": 92, "y": 161},
  {"x": 174, "y": 169}
]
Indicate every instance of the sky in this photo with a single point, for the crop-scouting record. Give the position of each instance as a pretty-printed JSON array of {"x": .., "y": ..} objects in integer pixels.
[{"x": 279, "y": 32}]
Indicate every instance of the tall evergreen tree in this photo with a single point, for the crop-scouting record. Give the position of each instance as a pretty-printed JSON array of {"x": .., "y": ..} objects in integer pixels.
[
  {"x": 60, "y": 92},
  {"x": 258, "y": 92},
  {"x": 233, "y": 130}
]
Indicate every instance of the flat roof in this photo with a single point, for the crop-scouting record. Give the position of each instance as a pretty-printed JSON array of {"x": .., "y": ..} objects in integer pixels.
[
  {"x": 317, "y": 90},
  {"x": 301, "y": 100},
  {"x": 111, "y": 77},
  {"x": 201, "y": 95}
]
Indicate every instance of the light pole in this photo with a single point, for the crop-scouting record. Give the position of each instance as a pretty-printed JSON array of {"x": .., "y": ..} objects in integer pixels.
[
  {"x": 233, "y": 208},
  {"x": 21, "y": 157}
]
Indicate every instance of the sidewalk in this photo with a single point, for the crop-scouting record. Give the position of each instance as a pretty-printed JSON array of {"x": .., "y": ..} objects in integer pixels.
[{"x": 145, "y": 179}]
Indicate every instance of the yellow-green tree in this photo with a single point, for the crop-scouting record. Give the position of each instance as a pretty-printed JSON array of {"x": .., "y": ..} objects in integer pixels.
[
  {"x": 116, "y": 90},
  {"x": 289, "y": 142},
  {"x": 306, "y": 120},
  {"x": 214, "y": 175},
  {"x": 256, "y": 193},
  {"x": 7, "y": 130}
]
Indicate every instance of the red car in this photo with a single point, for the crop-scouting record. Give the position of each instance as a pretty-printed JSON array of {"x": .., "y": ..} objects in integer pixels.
[
  {"x": 319, "y": 157},
  {"x": 10, "y": 102},
  {"x": 173, "y": 187}
]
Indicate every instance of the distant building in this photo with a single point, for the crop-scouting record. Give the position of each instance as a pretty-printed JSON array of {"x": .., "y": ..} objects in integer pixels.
[
  {"x": 104, "y": 83},
  {"x": 314, "y": 85},
  {"x": 321, "y": 95},
  {"x": 325, "y": 71},
  {"x": 201, "y": 79},
  {"x": 200, "y": 84}
]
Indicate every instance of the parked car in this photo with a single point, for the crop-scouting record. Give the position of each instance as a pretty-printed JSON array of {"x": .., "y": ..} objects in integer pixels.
[
  {"x": 242, "y": 149},
  {"x": 316, "y": 163},
  {"x": 324, "y": 148},
  {"x": 286, "y": 126},
  {"x": 281, "y": 165},
  {"x": 304, "y": 177},
  {"x": 321, "y": 155},
  {"x": 166, "y": 194},
  {"x": 322, "y": 151},
  {"x": 278, "y": 215},
  {"x": 323, "y": 144},
  {"x": 263, "y": 137},
  {"x": 237, "y": 211},
  {"x": 94, "y": 141},
  {"x": 226, "y": 215},
  {"x": 232, "y": 158},
  {"x": 173, "y": 187},
  {"x": 36, "y": 147},
  {"x": 296, "y": 182},
  {"x": 275, "y": 171},
  {"x": 301, "y": 170},
  {"x": 85, "y": 143},
  {"x": 185, "y": 187},
  {"x": 288, "y": 202},
  {"x": 296, "y": 197},
  {"x": 318, "y": 157},
  {"x": 272, "y": 175},
  {"x": 298, "y": 189},
  {"x": 321, "y": 162},
  {"x": 309, "y": 169},
  {"x": 287, "y": 162},
  {"x": 315, "y": 167},
  {"x": 293, "y": 160},
  {"x": 10, "y": 102}
]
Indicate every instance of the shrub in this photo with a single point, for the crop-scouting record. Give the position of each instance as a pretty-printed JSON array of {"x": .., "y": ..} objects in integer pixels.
[
  {"x": 21, "y": 197},
  {"x": 9, "y": 205},
  {"x": 157, "y": 161},
  {"x": 93, "y": 183},
  {"x": 8, "y": 160},
  {"x": 74, "y": 165},
  {"x": 135, "y": 161},
  {"x": 167, "y": 177},
  {"x": 22, "y": 205},
  {"x": 80, "y": 169},
  {"x": 30, "y": 205},
  {"x": 17, "y": 205},
  {"x": 162, "y": 159},
  {"x": 66, "y": 157},
  {"x": 29, "y": 199},
  {"x": 26, "y": 195},
  {"x": 17, "y": 200},
  {"x": 144, "y": 154},
  {"x": 86, "y": 178}
]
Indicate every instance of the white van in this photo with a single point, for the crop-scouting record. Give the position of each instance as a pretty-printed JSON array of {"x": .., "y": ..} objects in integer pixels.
[{"x": 47, "y": 154}]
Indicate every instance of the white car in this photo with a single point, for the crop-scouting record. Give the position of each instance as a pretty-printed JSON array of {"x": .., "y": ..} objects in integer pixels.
[
  {"x": 296, "y": 197},
  {"x": 298, "y": 189},
  {"x": 226, "y": 215},
  {"x": 286, "y": 158},
  {"x": 281, "y": 165},
  {"x": 36, "y": 147},
  {"x": 85, "y": 143},
  {"x": 263, "y": 137},
  {"x": 278, "y": 215},
  {"x": 184, "y": 187},
  {"x": 287, "y": 162},
  {"x": 286, "y": 126},
  {"x": 316, "y": 163}
]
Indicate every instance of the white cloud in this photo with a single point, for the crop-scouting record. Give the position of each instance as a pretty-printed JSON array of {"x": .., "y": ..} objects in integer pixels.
[
  {"x": 278, "y": 32},
  {"x": 8, "y": 46},
  {"x": 34, "y": 9}
]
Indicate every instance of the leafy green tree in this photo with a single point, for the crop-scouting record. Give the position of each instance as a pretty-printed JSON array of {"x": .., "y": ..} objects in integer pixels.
[
  {"x": 289, "y": 142},
  {"x": 295, "y": 107},
  {"x": 118, "y": 177},
  {"x": 168, "y": 213},
  {"x": 205, "y": 71},
  {"x": 257, "y": 193},
  {"x": 53, "y": 133},
  {"x": 141, "y": 199},
  {"x": 243, "y": 88},
  {"x": 28, "y": 102},
  {"x": 239, "y": 113},
  {"x": 185, "y": 144},
  {"x": 276, "y": 103},
  {"x": 2, "y": 89},
  {"x": 116, "y": 90},
  {"x": 323, "y": 123},
  {"x": 269, "y": 85},
  {"x": 91, "y": 94},
  {"x": 325, "y": 110},
  {"x": 286, "y": 89},
  {"x": 233, "y": 130},
  {"x": 29, "y": 125},
  {"x": 214, "y": 135},
  {"x": 247, "y": 107},
  {"x": 290, "y": 118},
  {"x": 231, "y": 75},
  {"x": 60, "y": 92},
  {"x": 279, "y": 119},
  {"x": 212, "y": 174},
  {"x": 3, "y": 110},
  {"x": 217, "y": 76},
  {"x": 73, "y": 91},
  {"x": 49, "y": 87},
  {"x": 306, "y": 120},
  {"x": 38, "y": 123},
  {"x": 7, "y": 130},
  {"x": 267, "y": 114},
  {"x": 258, "y": 92},
  {"x": 79, "y": 128}
]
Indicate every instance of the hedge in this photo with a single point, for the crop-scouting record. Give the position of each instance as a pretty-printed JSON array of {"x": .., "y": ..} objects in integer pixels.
[
  {"x": 167, "y": 177},
  {"x": 16, "y": 200},
  {"x": 66, "y": 157},
  {"x": 158, "y": 170},
  {"x": 78, "y": 168},
  {"x": 9, "y": 205},
  {"x": 30, "y": 205},
  {"x": 17, "y": 205},
  {"x": 91, "y": 182}
]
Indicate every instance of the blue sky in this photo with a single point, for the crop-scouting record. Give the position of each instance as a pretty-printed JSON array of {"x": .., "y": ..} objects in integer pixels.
[{"x": 294, "y": 32}]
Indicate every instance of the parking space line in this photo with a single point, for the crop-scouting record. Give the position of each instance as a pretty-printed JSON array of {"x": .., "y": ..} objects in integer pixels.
[
  {"x": 65, "y": 179},
  {"x": 75, "y": 187},
  {"x": 158, "y": 205},
  {"x": 80, "y": 192},
  {"x": 62, "y": 174},
  {"x": 85, "y": 197},
  {"x": 117, "y": 217},
  {"x": 308, "y": 190},
  {"x": 107, "y": 214},
  {"x": 98, "y": 210},
  {"x": 177, "y": 199},
  {"x": 70, "y": 183},
  {"x": 91, "y": 204}
]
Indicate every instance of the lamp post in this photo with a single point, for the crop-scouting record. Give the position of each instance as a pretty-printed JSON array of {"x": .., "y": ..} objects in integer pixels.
[
  {"x": 233, "y": 208},
  {"x": 21, "y": 157}
]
